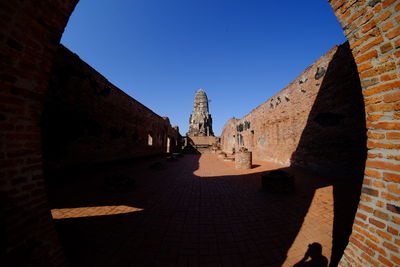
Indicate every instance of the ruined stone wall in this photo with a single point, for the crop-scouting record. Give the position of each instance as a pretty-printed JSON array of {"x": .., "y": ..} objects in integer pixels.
[
  {"x": 87, "y": 119},
  {"x": 272, "y": 130},
  {"x": 316, "y": 122},
  {"x": 228, "y": 136}
]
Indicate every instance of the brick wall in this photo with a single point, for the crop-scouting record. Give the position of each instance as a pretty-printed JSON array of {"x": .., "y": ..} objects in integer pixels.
[
  {"x": 272, "y": 130},
  {"x": 29, "y": 35},
  {"x": 372, "y": 28},
  {"x": 87, "y": 119},
  {"x": 316, "y": 122}
]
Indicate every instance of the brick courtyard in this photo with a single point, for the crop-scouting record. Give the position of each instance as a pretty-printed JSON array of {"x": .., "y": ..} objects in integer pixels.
[{"x": 197, "y": 211}]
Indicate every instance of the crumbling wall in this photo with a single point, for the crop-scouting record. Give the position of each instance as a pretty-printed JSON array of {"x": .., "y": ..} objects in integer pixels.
[
  {"x": 316, "y": 122},
  {"x": 87, "y": 119},
  {"x": 228, "y": 136}
]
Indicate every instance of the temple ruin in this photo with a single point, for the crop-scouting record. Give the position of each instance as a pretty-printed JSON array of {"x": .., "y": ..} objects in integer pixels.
[
  {"x": 185, "y": 214},
  {"x": 200, "y": 121},
  {"x": 317, "y": 117},
  {"x": 200, "y": 137}
]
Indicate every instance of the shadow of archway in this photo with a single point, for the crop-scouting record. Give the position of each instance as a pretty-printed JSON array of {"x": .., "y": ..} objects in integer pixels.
[
  {"x": 334, "y": 142},
  {"x": 190, "y": 215}
]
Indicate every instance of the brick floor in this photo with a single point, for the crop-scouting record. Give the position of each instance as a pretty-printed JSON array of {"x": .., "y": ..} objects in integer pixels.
[{"x": 198, "y": 211}]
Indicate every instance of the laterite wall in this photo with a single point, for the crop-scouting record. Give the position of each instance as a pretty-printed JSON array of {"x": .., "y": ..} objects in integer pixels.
[{"x": 29, "y": 35}]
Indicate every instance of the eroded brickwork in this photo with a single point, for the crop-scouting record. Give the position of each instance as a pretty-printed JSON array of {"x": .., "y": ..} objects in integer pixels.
[
  {"x": 87, "y": 119},
  {"x": 272, "y": 130},
  {"x": 317, "y": 122}
]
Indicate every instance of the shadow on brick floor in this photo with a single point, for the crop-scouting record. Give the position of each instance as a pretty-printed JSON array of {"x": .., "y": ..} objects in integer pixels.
[
  {"x": 182, "y": 218},
  {"x": 334, "y": 141}
]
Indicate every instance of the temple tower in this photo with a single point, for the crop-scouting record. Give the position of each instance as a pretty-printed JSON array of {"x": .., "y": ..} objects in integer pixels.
[{"x": 200, "y": 120}]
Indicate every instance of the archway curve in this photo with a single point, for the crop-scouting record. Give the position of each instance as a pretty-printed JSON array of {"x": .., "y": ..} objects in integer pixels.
[{"x": 29, "y": 36}]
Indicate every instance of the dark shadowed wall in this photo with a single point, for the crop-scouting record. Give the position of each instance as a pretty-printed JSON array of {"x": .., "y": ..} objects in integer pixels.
[{"x": 87, "y": 119}]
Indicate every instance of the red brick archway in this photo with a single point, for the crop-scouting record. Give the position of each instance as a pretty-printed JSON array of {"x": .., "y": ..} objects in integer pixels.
[{"x": 29, "y": 34}]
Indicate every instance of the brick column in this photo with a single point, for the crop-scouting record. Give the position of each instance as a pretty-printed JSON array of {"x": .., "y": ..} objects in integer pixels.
[{"x": 243, "y": 160}]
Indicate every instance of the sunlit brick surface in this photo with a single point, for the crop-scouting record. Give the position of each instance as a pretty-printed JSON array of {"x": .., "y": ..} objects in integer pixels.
[{"x": 91, "y": 211}]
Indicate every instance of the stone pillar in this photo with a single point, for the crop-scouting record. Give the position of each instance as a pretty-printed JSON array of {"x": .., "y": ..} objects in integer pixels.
[{"x": 243, "y": 160}]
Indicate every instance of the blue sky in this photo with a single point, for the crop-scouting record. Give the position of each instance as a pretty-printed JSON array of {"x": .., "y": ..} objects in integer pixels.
[{"x": 241, "y": 52}]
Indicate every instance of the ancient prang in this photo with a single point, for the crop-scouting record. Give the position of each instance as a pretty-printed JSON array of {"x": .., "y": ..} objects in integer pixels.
[{"x": 200, "y": 120}]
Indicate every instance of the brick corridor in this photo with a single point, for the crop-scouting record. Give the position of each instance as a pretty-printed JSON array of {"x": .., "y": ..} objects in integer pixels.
[{"x": 198, "y": 211}]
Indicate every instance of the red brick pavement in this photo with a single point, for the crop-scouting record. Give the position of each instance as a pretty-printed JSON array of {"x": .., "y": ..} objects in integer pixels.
[{"x": 198, "y": 211}]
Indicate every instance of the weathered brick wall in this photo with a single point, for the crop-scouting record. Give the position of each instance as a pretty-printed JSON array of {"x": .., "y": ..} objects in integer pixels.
[
  {"x": 273, "y": 129},
  {"x": 29, "y": 35},
  {"x": 316, "y": 122},
  {"x": 372, "y": 28},
  {"x": 87, "y": 119},
  {"x": 228, "y": 136}
]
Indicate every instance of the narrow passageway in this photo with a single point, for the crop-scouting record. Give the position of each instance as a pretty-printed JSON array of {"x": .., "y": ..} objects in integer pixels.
[{"x": 195, "y": 211}]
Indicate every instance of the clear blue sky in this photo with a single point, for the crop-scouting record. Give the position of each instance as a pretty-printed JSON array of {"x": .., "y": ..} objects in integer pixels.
[{"x": 241, "y": 52}]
